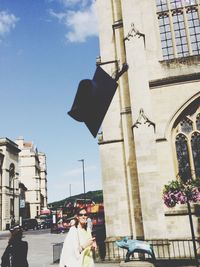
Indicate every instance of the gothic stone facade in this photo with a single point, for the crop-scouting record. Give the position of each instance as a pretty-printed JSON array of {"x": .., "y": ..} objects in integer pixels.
[{"x": 153, "y": 122}]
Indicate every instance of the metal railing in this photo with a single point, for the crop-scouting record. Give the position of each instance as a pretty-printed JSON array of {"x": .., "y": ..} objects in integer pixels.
[{"x": 164, "y": 249}]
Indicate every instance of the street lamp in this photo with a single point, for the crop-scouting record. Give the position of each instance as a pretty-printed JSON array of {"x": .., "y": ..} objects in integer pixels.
[
  {"x": 82, "y": 160},
  {"x": 192, "y": 233},
  {"x": 14, "y": 195},
  {"x": 12, "y": 179},
  {"x": 70, "y": 190},
  {"x": 185, "y": 174}
]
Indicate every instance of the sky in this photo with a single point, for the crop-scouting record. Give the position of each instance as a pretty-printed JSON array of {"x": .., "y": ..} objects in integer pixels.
[{"x": 46, "y": 48}]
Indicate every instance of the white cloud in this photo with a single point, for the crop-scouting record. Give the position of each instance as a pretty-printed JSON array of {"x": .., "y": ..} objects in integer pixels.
[
  {"x": 60, "y": 16},
  {"x": 7, "y": 22},
  {"x": 72, "y": 3},
  {"x": 81, "y": 24}
]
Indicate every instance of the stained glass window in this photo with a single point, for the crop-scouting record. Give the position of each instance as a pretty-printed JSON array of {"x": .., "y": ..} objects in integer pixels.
[
  {"x": 183, "y": 157},
  {"x": 198, "y": 122},
  {"x": 186, "y": 126},
  {"x": 188, "y": 144},
  {"x": 195, "y": 143}
]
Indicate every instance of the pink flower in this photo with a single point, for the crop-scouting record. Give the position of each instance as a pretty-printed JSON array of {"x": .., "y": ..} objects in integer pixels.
[
  {"x": 176, "y": 192},
  {"x": 169, "y": 199}
]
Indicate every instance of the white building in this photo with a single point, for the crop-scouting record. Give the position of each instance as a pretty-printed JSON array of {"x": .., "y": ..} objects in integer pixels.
[
  {"x": 33, "y": 174},
  {"x": 9, "y": 183},
  {"x": 153, "y": 123},
  {"x": 23, "y": 181}
]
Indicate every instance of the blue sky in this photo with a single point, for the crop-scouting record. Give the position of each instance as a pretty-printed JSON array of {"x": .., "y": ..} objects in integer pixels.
[{"x": 46, "y": 48}]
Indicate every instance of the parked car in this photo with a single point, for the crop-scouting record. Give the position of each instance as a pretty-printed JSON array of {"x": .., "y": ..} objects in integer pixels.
[
  {"x": 45, "y": 224},
  {"x": 29, "y": 224}
]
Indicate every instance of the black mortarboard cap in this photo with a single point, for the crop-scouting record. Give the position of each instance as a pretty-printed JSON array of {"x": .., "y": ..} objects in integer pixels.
[{"x": 93, "y": 99}]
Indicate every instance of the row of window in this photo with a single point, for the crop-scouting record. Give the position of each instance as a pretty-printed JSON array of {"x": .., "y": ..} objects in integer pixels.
[
  {"x": 179, "y": 24},
  {"x": 163, "y": 5},
  {"x": 179, "y": 27}
]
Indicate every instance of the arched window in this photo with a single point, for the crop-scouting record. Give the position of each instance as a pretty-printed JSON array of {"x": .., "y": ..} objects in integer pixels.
[
  {"x": 187, "y": 144},
  {"x": 11, "y": 174}
]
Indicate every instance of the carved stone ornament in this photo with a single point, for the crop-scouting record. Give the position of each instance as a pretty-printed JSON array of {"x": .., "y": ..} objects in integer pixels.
[{"x": 142, "y": 118}]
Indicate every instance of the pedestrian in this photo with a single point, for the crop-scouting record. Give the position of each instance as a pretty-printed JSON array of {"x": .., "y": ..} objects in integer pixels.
[
  {"x": 78, "y": 244},
  {"x": 15, "y": 254}
]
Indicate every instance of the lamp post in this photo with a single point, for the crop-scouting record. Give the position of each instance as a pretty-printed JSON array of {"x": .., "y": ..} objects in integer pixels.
[
  {"x": 70, "y": 190},
  {"x": 12, "y": 175},
  {"x": 13, "y": 187},
  {"x": 82, "y": 160},
  {"x": 186, "y": 175},
  {"x": 192, "y": 233}
]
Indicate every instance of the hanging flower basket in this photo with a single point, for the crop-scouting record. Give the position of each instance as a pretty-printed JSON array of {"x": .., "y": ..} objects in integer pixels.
[{"x": 177, "y": 192}]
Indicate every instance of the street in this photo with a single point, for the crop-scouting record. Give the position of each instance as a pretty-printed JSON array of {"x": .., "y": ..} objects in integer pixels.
[
  {"x": 40, "y": 246},
  {"x": 40, "y": 251}
]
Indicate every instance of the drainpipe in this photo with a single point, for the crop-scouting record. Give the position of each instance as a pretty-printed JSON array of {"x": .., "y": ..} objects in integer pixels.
[{"x": 132, "y": 185}]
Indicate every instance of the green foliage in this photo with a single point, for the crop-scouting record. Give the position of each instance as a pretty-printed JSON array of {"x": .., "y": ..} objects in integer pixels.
[
  {"x": 173, "y": 186},
  {"x": 96, "y": 196}
]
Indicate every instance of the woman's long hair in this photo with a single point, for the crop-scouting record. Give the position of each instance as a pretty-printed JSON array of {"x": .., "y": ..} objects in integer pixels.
[{"x": 16, "y": 236}]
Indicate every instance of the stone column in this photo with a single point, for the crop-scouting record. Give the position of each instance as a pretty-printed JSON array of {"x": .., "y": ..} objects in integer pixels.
[
  {"x": 119, "y": 175},
  {"x": 132, "y": 190},
  {"x": 150, "y": 185}
]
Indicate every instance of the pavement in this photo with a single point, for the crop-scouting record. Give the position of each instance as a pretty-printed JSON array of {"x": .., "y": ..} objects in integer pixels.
[{"x": 40, "y": 247}]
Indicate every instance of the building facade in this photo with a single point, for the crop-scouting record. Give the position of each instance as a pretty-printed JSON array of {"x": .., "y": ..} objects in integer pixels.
[
  {"x": 9, "y": 183},
  {"x": 23, "y": 182},
  {"x": 151, "y": 132},
  {"x": 43, "y": 180},
  {"x": 33, "y": 174}
]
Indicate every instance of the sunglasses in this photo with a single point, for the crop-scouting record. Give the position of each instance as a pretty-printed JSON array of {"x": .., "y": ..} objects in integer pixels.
[{"x": 82, "y": 214}]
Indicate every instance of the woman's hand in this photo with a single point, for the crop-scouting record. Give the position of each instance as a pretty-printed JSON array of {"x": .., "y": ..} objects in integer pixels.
[
  {"x": 94, "y": 245},
  {"x": 88, "y": 243}
]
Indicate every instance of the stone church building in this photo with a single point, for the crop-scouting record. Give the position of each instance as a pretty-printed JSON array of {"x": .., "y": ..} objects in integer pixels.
[{"x": 152, "y": 127}]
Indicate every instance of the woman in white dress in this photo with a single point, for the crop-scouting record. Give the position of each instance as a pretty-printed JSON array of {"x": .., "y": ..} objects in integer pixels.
[{"x": 78, "y": 244}]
